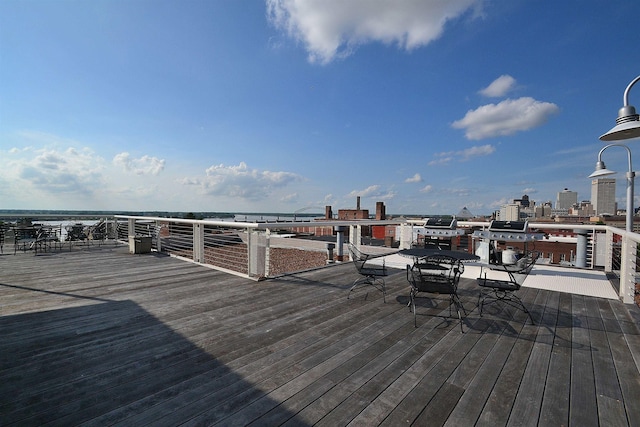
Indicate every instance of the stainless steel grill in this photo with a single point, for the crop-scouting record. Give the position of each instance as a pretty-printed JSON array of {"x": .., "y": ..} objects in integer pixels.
[
  {"x": 508, "y": 231},
  {"x": 438, "y": 227}
]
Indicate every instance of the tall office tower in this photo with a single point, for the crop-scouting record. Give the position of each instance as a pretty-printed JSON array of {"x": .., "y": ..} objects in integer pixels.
[
  {"x": 566, "y": 199},
  {"x": 524, "y": 202},
  {"x": 603, "y": 196},
  {"x": 510, "y": 212}
]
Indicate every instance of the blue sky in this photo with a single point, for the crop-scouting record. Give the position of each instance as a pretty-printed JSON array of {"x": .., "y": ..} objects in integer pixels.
[{"x": 285, "y": 106}]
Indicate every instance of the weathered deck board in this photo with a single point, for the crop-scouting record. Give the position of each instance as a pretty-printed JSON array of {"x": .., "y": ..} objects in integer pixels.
[
  {"x": 583, "y": 410},
  {"x": 99, "y": 337},
  {"x": 555, "y": 402}
]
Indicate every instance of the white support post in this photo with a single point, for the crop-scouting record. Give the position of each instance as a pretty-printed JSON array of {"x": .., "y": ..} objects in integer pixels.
[
  {"x": 267, "y": 251},
  {"x": 158, "y": 236},
  {"x": 131, "y": 235},
  {"x": 628, "y": 270},
  {"x": 355, "y": 235},
  {"x": 131, "y": 231},
  {"x": 608, "y": 260},
  {"x": 198, "y": 243},
  {"x": 250, "y": 250},
  {"x": 256, "y": 254},
  {"x": 406, "y": 236}
]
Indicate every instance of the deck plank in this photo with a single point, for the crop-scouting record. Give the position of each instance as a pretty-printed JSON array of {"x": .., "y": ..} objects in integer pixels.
[
  {"x": 583, "y": 409},
  {"x": 621, "y": 334},
  {"x": 526, "y": 407},
  {"x": 604, "y": 372},
  {"x": 555, "y": 401}
]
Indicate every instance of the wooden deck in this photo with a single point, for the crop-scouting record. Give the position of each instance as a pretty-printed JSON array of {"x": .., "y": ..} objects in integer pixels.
[{"x": 101, "y": 337}]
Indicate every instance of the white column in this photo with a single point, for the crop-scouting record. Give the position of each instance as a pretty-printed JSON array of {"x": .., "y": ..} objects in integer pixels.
[
  {"x": 198, "y": 243},
  {"x": 608, "y": 260},
  {"x": 628, "y": 270}
]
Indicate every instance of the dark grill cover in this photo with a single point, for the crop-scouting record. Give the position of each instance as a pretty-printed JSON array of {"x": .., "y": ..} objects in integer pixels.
[
  {"x": 440, "y": 223},
  {"x": 512, "y": 226}
]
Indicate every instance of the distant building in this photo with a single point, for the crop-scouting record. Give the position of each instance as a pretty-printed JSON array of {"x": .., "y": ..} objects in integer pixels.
[
  {"x": 524, "y": 202},
  {"x": 543, "y": 211},
  {"x": 603, "y": 196},
  {"x": 464, "y": 214},
  {"x": 351, "y": 214},
  {"x": 583, "y": 209},
  {"x": 509, "y": 212},
  {"x": 566, "y": 199}
]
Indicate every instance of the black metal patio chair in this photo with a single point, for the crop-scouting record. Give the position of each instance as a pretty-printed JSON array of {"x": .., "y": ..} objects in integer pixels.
[
  {"x": 371, "y": 274},
  {"x": 24, "y": 237},
  {"x": 504, "y": 290},
  {"x": 436, "y": 274}
]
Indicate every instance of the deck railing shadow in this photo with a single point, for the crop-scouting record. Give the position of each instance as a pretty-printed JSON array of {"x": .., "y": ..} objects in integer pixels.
[
  {"x": 555, "y": 329},
  {"x": 342, "y": 279},
  {"x": 112, "y": 361}
]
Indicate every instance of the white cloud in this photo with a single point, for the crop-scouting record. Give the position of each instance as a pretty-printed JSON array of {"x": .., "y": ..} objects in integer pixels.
[
  {"x": 442, "y": 159},
  {"x": 458, "y": 192},
  {"x": 505, "y": 118},
  {"x": 371, "y": 191},
  {"x": 499, "y": 87},
  {"x": 499, "y": 203},
  {"x": 288, "y": 198},
  {"x": 334, "y": 28},
  {"x": 426, "y": 189},
  {"x": 414, "y": 178},
  {"x": 145, "y": 165},
  {"x": 241, "y": 181},
  {"x": 476, "y": 151},
  {"x": 387, "y": 196},
  {"x": 463, "y": 155},
  {"x": 52, "y": 171}
]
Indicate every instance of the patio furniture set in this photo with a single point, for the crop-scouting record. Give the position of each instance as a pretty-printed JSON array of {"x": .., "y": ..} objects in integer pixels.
[{"x": 437, "y": 272}]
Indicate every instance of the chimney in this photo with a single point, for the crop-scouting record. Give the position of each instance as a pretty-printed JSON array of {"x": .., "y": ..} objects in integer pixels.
[
  {"x": 328, "y": 214},
  {"x": 358, "y": 203},
  {"x": 381, "y": 213}
]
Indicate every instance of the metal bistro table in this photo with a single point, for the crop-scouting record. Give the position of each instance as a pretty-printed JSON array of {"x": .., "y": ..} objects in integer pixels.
[{"x": 418, "y": 253}]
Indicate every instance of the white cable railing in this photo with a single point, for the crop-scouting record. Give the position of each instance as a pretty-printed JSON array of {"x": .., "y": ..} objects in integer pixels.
[{"x": 256, "y": 250}]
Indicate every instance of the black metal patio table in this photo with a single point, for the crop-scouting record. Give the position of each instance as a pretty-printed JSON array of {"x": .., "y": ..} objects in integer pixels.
[{"x": 417, "y": 253}]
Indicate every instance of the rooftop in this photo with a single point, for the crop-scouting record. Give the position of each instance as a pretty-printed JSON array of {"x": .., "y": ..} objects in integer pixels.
[{"x": 99, "y": 336}]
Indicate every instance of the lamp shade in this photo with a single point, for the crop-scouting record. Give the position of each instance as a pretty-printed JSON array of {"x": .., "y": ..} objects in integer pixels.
[
  {"x": 601, "y": 170},
  {"x": 622, "y": 131},
  {"x": 628, "y": 122}
]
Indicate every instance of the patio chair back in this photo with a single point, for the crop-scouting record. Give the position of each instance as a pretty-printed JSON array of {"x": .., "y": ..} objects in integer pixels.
[
  {"x": 371, "y": 274},
  {"x": 436, "y": 274},
  {"x": 503, "y": 290}
]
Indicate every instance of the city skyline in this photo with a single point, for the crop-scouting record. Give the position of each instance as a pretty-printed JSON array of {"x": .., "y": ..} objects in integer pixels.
[{"x": 282, "y": 106}]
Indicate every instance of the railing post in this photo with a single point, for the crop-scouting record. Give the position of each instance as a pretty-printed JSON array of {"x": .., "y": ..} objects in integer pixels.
[
  {"x": 267, "y": 251},
  {"x": 131, "y": 235},
  {"x": 406, "y": 236},
  {"x": 581, "y": 248},
  {"x": 250, "y": 250},
  {"x": 340, "y": 229},
  {"x": 355, "y": 235},
  {"x": 131, "y": 227},
  {"x": 158, "y": 236},
  {"x": 608, "y": 260},
  {"x": 256, "y": 254},
  {"x": 198, "y": 243},
  {"x": 628, "y": 270}
]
